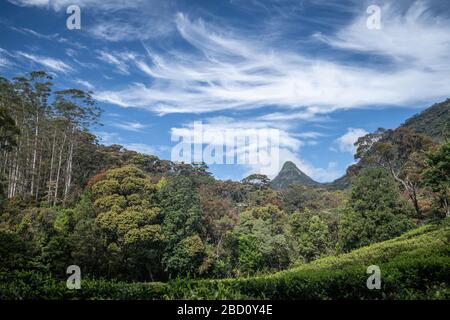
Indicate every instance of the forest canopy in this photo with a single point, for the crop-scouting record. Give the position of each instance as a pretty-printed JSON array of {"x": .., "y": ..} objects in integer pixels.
[{"x": 118, "y": 214}]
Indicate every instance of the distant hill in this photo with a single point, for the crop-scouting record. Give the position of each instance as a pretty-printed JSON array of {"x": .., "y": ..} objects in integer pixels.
[
  {"x": 290, "y": 174},
  {"x": 338, "y": 184},
  {"x": 431, "y": 121}
]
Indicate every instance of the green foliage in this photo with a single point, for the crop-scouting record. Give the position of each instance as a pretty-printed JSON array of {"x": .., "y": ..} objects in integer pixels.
[
  {"x": 298, "y": 197},
  {"x": 8, "y": 130},
  {"x": 431, "y": 121},
  {"x": 14, "y": 252},
  {"x": 128, "y": 220},
  {"x": 262, "y": 244},
  {"x": 413, "y": 266},
  {"x": 437, "y": 175},
  {"x": 25, "y": 285},
  {"x": 187, "y": 256},
  {"x": 310, "y": 236},
  {"x": 64, "y": 221},
  {"x": 401, "y": 152},
  {"x": 258, "y": 180},
  {"x": 181, "y": 225},
  {"x": 375, "y": 212}
]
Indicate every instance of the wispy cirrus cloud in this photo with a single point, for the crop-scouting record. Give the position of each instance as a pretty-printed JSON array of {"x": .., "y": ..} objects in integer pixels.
[
  {"x": 131, "y": 29},
  {"x": 130, "y": 126},
  {"x": 58, "y": 5},
  {"x": 51, "y": 63},
  {"x": 85, "y": 84},
  {"x": 49, "y": 37},
  {"x": 224, "y": 71},
  {"x": 118, "y": 59},
  {"x": 412, "y": 37},
  {"x": 35, "y": 33},
  {"x": 4, "y": 61},
  {"x": 138, "y": 19}
]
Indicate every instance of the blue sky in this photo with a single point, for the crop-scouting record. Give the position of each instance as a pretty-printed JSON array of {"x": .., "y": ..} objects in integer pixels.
[{"x": 311, "y": 69}]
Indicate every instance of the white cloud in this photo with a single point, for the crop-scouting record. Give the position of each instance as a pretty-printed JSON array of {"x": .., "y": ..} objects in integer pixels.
[
  {"x": 240, "y": 127},
  {"x": 413, "y": 37},
  {"x": 230, "y": 72},
  {"x": 29, "y": 3},
  {"x": 119, "y": 60},
  {"x": 109, "y": 138},
  {"x": 34, "y": 33},
  {"x": 129, "y": 126},
  {"x": 51, "y": 63},
  {"x": 58, "y": 5},
  {"x": 141, "y": 148},
  {"x": 4, "y": 62},
  {"x": 113, "y": 31},
  {"x": 133, "y": 28},
  {"x": 330, "y": 173},
  {"x": 346, "y": 143},
  {"x": 85, "y": 84},
  {"x": 50, "y": 37},
  {"x": 289, "y": 148},
  {"x": 138, "y": 19}
]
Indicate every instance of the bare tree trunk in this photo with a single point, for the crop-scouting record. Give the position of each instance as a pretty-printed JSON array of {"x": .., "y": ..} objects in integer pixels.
[
  {"x": 10, "y": 175},
  {"x": 26, "y": 165},
  {"x": 58, "y": 172},
  {"x": 413, "y": 196},
  {"x": 410, "y": 189},
  {"x": 38, "y": 177},
  {"x": 14, "y": 162},
  {"x": 69, "y": 167},
  {"x": 15, "y": 175},
  {"x": 5, "y": 162},
  {"x": 446, "y": 206},
  {"x": 51, "y": 168},
  {"x": 149, "y": 269},
  {"x": 33, "y": 166}
]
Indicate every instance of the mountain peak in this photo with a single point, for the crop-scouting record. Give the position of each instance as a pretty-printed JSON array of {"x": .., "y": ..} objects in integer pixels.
[
  {"x": 289, "y": 165},
  {"x": 291, "y": 174}
]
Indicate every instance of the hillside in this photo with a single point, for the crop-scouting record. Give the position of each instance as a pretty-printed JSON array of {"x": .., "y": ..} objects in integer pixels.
[
  {"x": 431, "y": 121},
  {"x": 413, "y": 266},
  {"x": 290, "y": 174},
  {"x": 339, "y": 184}
]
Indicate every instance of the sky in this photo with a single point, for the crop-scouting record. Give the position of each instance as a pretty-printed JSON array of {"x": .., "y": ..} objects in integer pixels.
[{"x": 321, "y": 73}]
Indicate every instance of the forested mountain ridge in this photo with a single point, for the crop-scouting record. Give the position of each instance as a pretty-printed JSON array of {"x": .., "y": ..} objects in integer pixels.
[{"x": 431, "y": 121}]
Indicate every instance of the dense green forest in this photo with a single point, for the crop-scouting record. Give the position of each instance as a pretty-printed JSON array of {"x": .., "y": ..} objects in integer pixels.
[{"x": 125, "y": 217}]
